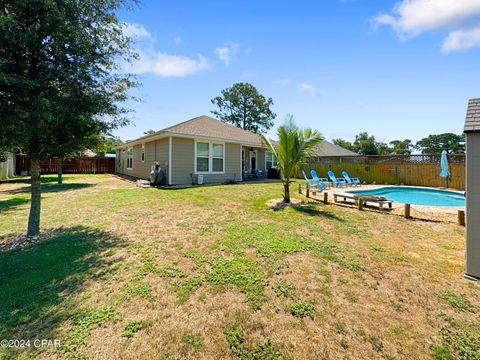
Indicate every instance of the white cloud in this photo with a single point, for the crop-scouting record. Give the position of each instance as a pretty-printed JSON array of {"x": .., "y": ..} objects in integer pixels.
[
  {"x": 308, "y": 89},
  {"x": 410, "y": 18},
  {"x": 177, "y": 40},
  {"x": 226, "y": 53},
  {"x": 462, "y": 40},
  {"x": 169, "y": 65},
  {"x": 151, "y": 60},
  {"x": 136, "y": 31}
]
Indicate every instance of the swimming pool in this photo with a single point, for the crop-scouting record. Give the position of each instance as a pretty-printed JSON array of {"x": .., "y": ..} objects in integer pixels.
[{"x": 417, "y": 196}]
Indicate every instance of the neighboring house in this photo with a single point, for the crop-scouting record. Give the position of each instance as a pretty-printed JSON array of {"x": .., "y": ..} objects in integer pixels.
[
  {"x": 7, "y": 167},
  {"x": 203, "y": 146}
]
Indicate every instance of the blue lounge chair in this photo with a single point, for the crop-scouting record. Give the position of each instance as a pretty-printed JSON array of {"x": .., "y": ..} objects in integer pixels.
[
  {"x": 322, "y": 181},
  {"x": 338, "y": 182},
  {"x": 351, "y": 181},
  {"x": 312, "y": 183}
]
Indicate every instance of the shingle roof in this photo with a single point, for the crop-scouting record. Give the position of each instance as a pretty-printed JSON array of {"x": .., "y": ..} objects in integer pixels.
[
  {"x": 326, "y": 148},
  {"x": 472, "y": 121},
  {"x": 207, "y": 127}
]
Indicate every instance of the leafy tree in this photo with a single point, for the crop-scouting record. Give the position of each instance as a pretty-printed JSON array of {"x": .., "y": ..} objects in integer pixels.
[
  {"x": 365, "y": 144},
  {"x": 149, "y": 132},
  {"x": 344, "y": 143},
  {"x": 383, "y": 148},
  {"x": 59, "y": 78},
  {"x": 243, "y": 106},
  {"x": 434, "y": 144},
  {"x": 295, "y": 147},
  {"x": 400, "y": 147},
  {"x": 105, "y": 144}
]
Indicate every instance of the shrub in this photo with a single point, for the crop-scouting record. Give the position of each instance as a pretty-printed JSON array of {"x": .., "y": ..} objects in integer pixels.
[{"x": 273, "y": 173}]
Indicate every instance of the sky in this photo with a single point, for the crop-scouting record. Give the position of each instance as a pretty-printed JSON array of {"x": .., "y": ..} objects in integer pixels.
[{"x": 397, "y": 69}]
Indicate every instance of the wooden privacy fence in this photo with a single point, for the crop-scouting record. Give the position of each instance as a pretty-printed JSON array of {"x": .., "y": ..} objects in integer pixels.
[
  {"x": 419, "y": 170},
  {"x": 76, "y": 165}
]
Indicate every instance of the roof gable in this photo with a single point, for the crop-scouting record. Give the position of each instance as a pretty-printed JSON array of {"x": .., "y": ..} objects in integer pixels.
[
  {"x": 205, "y": 126},
  {"x": 472, "y": 121}
]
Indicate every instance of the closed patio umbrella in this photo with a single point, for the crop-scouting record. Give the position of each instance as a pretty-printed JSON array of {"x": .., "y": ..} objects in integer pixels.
[{"x": 445, "y": 173}]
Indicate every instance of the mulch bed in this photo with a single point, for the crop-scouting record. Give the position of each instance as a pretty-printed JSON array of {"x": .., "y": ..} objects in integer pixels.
[{"x": 22, "y": 241}]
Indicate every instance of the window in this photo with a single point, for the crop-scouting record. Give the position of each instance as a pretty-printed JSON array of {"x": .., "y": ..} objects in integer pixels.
[
  {"x": 270, "y": 160},
  {"x": 203, "y": 156},
  {"x": 209, "y": 157},
  {"x": 143, "y": 153},
  {"x": 130, "y": 158},
  {"x": 217, "y": 158}
]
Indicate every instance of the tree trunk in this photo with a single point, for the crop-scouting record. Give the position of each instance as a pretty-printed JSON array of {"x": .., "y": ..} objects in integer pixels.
[
  {"x": 60, "y": 169},
  {"x": 286, "y": 193},
  {"x": 34, "y": 216}
]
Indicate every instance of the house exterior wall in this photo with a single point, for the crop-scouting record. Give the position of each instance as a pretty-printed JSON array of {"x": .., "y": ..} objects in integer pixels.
[
  {"x": 472, "y": 258},
  {"x": 183, "y": 163},
  {"x": 155, "y": 151},
  {"x": 260, "y": 160}
]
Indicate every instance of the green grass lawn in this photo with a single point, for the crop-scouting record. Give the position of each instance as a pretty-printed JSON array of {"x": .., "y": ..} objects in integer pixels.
[{"x": 214, "y": 272}]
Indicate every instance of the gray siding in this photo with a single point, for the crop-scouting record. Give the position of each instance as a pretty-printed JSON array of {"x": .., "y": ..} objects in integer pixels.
[
  {"x": 155, "y": 151},
  {"x": 183, "y": 163},
  {"x": 472, "y": 257}
]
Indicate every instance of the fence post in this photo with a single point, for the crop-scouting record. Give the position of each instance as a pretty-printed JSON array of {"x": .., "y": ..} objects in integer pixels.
[
  {"x": 308, "y": 192},
  {"x": 407, "y": 211},
  {"x": 325, "y": 197},
  {"x": 299, "y": 188},
  {"x": 360, "y": 203},
  {"x": 461, "y": 217}
]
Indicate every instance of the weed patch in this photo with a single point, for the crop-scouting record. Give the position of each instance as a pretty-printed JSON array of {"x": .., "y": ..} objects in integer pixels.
[
  {"x": 303, "y": 309},
  {"x": 284, "y": 289},
  {"x": 194, "y": 341},
  {"x": 459, "y": 302},
  {"x": 133, "y": 327},
  {"x": 143, "y": 290},
  {"x": 185, "y": 288},
  {"x": 242, "y": 273},
  {"x": 460, "y": 338},
  {"x": 261, "y": 351},
  {"x": 83, "y": 323}
]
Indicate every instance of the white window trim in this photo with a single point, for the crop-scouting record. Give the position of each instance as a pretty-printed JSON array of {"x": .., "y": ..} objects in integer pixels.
[
  {"x": 170, "y": 147},
  {"x": 142, "y": 153},
  {"x": 210, "y": 158},
  {"x": 130, "y": 156},
  {"x": 274, "y": 160}
]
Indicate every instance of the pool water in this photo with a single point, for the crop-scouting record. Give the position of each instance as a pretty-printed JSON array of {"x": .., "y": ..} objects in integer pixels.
[{"x": 417, "y": 196}]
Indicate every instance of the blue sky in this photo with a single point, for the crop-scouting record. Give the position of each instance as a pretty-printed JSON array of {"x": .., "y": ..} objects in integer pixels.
[{"x": 396, "y": 69}]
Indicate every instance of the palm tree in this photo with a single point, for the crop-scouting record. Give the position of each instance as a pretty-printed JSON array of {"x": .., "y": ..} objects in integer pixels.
[{"x": 294, "y": 149}]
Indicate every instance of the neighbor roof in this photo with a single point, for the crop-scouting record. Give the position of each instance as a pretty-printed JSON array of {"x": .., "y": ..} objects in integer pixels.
[
  {"x": 472, "y": 122},
  {"x": 326, "y": 148}
]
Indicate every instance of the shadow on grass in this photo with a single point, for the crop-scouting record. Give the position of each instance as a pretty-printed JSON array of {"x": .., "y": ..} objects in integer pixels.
[
  {"x": 51, "y": 188},
  {"x": 44, "y": 179},
  {"x": 8, "y": 204},
  {"x": 310, "y": 210},
  {"x": 38, "y": 282}
]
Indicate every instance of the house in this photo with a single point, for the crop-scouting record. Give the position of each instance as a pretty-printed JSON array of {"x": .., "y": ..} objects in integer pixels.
[
  {"x": 202, "y": 147},
  {"x": 472, "y": 137},
  {"x": 7, "y": 166}
]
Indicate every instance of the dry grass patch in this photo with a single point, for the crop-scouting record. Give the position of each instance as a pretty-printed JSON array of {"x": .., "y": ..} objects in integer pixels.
[{"x": 224, "y": 272}]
